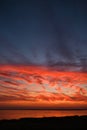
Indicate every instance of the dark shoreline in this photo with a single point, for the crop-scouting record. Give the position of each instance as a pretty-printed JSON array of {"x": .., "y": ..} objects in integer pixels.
[{"x": 54, "y": 123}]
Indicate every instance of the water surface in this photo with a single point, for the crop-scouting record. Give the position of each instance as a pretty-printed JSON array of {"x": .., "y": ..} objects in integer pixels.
[{"x": 16, "y": 114}]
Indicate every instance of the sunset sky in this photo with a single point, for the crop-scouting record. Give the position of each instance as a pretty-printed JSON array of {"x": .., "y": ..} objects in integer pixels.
[{"x": 43, "y": 54}]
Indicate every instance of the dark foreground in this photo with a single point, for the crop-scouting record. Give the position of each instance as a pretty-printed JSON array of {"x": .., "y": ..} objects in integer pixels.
[{"x": 54, "y": 123}]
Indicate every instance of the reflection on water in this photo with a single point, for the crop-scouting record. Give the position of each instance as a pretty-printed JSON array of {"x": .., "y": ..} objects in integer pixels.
[{"x": 16, "y": 114}]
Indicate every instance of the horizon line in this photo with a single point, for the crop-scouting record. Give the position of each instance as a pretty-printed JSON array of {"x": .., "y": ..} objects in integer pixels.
[{"x": 42, "y": 109}]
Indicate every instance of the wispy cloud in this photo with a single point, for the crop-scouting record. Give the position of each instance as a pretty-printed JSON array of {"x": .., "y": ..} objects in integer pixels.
[{"x": 39, "y": 84}]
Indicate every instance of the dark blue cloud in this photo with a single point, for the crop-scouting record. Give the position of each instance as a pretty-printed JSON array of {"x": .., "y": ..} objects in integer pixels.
[{"x": 44, "y": 32}]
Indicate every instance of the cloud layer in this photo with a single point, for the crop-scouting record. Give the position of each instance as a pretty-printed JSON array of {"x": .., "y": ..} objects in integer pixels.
[{"x": 36, "y": 84}]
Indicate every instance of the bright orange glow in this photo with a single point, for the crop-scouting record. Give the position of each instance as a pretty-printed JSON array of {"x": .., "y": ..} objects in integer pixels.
[{"x": 34, "y": 86}]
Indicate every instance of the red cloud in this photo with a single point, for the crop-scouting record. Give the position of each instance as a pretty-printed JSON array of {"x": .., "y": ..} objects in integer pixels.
[{"x": 33, "y": 83}]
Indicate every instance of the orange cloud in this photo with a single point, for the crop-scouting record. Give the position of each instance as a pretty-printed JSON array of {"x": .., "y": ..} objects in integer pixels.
[{"x": 35, "y": 84}]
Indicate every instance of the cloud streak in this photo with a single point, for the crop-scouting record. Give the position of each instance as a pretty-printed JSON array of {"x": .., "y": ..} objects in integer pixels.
[{"x": 40, "y": 84}]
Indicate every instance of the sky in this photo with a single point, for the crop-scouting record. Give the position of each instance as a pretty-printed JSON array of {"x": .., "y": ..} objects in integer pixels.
[{"x": 43, "y": 57}]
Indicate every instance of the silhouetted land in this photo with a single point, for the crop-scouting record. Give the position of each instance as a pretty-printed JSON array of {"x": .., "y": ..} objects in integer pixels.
[{"x": 54, "y": 123}]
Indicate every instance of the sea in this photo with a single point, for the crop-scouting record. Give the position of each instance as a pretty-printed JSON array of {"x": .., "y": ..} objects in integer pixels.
[{"x": 17, "y": 114}]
